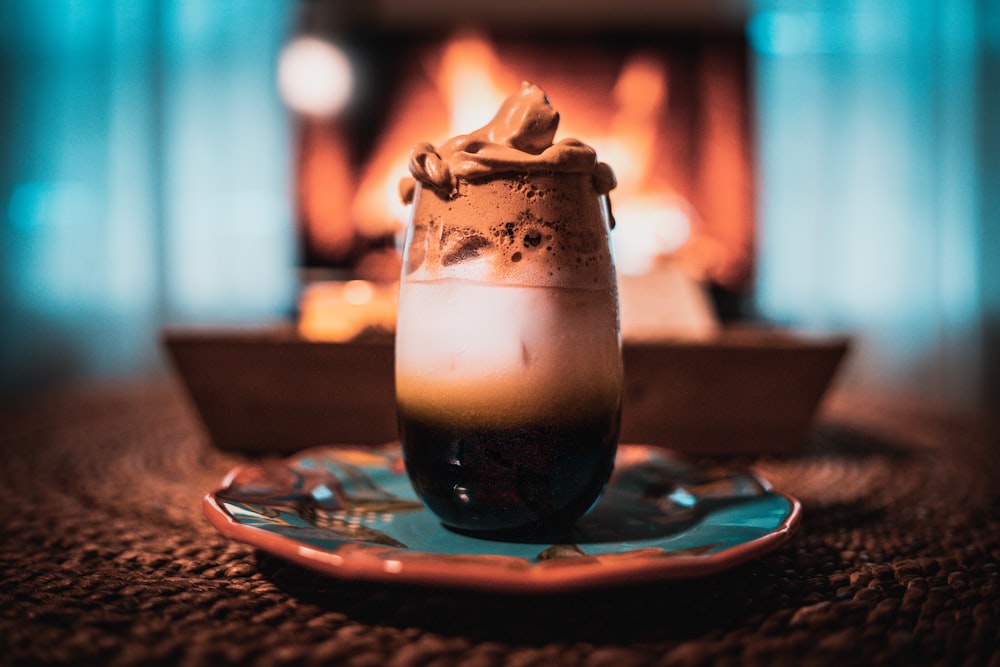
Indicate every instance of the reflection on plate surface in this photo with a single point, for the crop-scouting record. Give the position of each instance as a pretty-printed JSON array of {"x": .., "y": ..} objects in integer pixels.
[{"x": 351, "y": 512}]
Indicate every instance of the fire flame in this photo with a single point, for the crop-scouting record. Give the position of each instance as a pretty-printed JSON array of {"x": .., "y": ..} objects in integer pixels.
[
  {"x": 324, "y": 188},
  {"x": 466, "y": 83},
  {"x": 458, "y": 86},
  {"x": 469, "y": 81}
]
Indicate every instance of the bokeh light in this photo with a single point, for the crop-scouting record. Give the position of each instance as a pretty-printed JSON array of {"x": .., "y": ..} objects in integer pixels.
[{"x": 315, "y": 76}]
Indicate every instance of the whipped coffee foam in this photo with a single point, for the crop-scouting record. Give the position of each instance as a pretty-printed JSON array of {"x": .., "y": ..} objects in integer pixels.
[
  {"x": 506, "y": 204},
  {"x": 517, "y": 140}
]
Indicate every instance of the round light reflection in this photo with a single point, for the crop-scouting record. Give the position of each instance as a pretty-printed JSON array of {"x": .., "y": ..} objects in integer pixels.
[{"x": 314, "y": 76}]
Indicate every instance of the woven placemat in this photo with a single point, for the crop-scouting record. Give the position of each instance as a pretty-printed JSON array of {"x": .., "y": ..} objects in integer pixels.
[{"x": 105, "y": 558}]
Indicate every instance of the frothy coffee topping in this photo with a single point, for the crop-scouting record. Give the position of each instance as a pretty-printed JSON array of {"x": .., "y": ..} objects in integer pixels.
[
  {"x": 506, "y": 205},
  {"x": 519, "y": 140}
]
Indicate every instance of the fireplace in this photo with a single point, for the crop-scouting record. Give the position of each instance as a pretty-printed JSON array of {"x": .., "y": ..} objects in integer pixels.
[{"x": 662, "y": 95}]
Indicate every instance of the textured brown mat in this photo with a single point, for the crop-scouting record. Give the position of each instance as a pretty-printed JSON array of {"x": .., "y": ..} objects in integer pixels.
[{"x": 105, "y": 558}]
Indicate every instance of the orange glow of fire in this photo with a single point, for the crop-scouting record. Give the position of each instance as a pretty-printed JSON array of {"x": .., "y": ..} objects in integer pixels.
[
  {"x": 458, "y": 87},
  {"x": 466, "y": 84},
  {"x": 462, "y": 87},
  {"x": 653, "y": 220},
  {"x": 324, "y": 188},
  {"x": 726, "y": 255},
  {"x": 338, "y": 311},
  {"x": 470, "y": 79}
]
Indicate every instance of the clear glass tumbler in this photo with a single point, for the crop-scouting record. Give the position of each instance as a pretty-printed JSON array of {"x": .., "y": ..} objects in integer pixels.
[{"x": 508, "y": 351}]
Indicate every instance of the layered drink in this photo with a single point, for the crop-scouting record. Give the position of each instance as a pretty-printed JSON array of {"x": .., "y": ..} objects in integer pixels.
[{"x": 508, "y": 351}]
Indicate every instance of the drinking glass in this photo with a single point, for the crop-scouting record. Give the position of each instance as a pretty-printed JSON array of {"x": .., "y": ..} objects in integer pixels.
[{"x": 508, "y": 351}]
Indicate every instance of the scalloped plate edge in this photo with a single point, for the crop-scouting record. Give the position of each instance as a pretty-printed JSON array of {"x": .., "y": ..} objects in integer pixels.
[{"x": 505, "y": 574}]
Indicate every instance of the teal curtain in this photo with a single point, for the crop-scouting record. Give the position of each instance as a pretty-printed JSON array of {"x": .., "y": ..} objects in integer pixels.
[
  {"x": 878, "y": 186},
  {"x": 143, "y": 179}
]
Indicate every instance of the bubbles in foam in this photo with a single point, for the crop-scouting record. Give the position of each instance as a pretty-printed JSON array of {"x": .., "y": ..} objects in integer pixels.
[{"x": 524, "y": 229}]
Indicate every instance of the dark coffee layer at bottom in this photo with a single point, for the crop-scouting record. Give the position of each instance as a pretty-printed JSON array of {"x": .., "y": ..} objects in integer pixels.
[{"x": 527, "y": 477}]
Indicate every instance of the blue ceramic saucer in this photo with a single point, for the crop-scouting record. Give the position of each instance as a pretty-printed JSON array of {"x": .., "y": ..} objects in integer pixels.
[{"x": 350, "y": 512}]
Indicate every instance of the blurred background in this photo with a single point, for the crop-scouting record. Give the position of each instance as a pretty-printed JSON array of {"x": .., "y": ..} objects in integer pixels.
[{"x": 827, "y": 166}]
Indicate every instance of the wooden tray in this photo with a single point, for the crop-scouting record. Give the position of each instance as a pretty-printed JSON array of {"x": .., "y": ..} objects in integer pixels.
[{"x": 269, "y": 390}]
